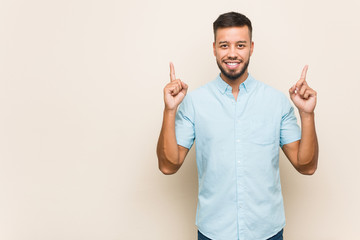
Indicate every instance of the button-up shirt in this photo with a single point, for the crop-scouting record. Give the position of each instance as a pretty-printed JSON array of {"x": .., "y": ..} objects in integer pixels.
[{"x": 237, "y": 156}]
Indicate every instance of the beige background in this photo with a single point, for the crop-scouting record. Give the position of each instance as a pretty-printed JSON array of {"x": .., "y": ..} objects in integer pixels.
[{"x": 81, "y": 108}]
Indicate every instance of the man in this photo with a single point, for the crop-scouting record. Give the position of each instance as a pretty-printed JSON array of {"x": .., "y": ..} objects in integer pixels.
[{"x": 239, "y": 124}]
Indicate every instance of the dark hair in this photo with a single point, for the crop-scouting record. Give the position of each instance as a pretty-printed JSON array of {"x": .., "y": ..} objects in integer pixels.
[{"x": 232, "y": 19}]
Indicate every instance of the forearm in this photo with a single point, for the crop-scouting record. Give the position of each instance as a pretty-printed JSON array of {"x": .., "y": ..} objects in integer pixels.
[
  {"x": 167, "y": 148},
  {"x": 308, "y": 148}
]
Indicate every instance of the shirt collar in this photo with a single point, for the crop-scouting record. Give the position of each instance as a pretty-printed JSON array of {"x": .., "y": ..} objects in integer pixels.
[{"x": 248, "y": 84}]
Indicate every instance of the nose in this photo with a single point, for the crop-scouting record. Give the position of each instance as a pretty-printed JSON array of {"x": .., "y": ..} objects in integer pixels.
[{"x": 232, "y": 52}]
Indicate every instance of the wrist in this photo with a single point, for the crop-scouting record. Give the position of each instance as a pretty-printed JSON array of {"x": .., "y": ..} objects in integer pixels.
[
  {"x": 306, "y": 115},
  {"x": 168, "y": 111}
]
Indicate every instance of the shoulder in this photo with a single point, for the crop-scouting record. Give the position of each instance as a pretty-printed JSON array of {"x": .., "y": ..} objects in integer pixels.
[
  {"x": 194, "y": 95},
  {"x": 203, "y": 92},
  {"x": 271, "y": 98},
  {"x": 269, "y": 92},
  {"x": 267, "y": 89}
]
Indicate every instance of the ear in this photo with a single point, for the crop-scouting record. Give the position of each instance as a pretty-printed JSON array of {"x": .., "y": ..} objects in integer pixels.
[
  {"x": 214, "y": 49},
  {"x": 252, "y": 48}
]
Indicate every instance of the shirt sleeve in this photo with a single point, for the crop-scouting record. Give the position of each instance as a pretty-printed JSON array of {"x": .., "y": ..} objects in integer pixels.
[
  {"x": 184, "y": 123},
  {"x": 289, "y": 129}
]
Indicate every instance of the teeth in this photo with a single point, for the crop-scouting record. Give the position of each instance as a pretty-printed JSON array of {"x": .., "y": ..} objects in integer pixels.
[{"x": 231, "y": 64}]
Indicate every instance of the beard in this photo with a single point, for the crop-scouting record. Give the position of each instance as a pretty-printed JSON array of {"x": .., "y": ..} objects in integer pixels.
[{"x": 232, "y": 75}]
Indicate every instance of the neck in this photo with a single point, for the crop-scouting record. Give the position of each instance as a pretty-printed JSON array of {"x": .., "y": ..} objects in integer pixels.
[{"x": 234, "y": 84}]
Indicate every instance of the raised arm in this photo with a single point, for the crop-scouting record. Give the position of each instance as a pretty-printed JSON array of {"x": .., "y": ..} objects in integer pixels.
[
  {"x": 170, "y": 154},
  {"x": 303, "y": 154}
]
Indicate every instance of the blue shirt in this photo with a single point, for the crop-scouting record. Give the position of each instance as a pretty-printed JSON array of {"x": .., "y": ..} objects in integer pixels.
[{"x": 237, "y": 155}]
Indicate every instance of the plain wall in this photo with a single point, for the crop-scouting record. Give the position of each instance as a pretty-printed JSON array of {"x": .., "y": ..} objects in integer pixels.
[{"x": 81, "y": 101}]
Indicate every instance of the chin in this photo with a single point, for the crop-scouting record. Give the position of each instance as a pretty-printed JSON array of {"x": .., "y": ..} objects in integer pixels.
[{"x": 233, "y": 74}]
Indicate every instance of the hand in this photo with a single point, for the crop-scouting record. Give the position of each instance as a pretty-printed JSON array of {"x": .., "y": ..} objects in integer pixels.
[
  {"x": 175, "y": 91},
  {"x": 302, "y": 95}
]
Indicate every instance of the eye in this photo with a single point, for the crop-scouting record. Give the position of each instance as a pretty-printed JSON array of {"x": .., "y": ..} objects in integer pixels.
[
  {"x": 223, "y": 46},
  {"x": 241, "y": 46}
]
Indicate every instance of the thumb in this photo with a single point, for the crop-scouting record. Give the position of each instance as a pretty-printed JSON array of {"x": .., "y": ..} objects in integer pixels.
[
  {"x": 292, "y": 91},
  {"x": 184, "y": 87}
]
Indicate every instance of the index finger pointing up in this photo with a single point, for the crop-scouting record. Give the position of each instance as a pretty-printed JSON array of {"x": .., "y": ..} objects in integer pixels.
[
  {"x": 304, "y": 71},
  {"x": 172, "y": 72}
]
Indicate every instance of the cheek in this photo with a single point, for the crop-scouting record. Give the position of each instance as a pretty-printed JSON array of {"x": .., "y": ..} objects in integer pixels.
[
  {"x": 218, "y": 57},
  {"x": 245, "y": 54},
  {"x": 216, "y": 54},
  {"x": 219, "y": 54}
]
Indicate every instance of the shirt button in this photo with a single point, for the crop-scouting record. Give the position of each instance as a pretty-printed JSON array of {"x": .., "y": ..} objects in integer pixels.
[{"x": 238, "y": 140}]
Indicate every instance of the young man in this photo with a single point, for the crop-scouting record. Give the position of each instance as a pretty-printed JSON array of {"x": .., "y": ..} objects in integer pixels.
[{"x": 239, "y": 124}]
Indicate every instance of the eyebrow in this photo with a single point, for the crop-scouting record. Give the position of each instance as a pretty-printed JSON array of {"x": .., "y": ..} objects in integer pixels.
[{"x": 228, "y": 42}]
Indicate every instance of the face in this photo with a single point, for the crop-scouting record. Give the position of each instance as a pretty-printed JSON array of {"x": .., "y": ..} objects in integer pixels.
[{"x": 232, "y": 49}]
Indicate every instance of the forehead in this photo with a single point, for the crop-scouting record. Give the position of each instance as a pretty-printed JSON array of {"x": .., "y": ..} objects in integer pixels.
[{"x": 233, "y": 34}]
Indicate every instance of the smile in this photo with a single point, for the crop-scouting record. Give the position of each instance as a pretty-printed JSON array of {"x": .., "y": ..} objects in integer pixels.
[{"x": 232, "y": 65}]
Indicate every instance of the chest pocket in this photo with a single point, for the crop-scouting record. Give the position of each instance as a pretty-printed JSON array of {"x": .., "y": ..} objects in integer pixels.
[{"x": 262, "y": 132}]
